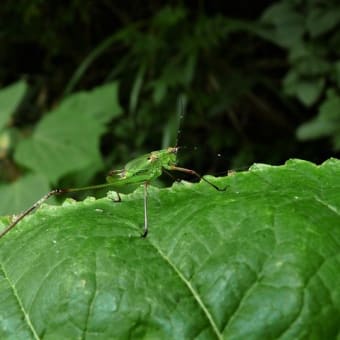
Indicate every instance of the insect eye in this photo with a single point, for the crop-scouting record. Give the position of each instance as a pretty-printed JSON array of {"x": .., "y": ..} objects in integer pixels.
[{"x": 152, "y": 158}]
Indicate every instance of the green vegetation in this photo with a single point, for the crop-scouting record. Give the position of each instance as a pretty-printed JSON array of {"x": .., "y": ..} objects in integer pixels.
[{"x": 85, "y": 87}]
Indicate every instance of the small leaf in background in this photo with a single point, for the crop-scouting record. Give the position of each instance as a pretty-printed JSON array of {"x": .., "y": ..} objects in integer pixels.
[
  {"x": 67, "y": 138},
  {"x": 259, "y": 261},
  {"x": 10, "y": 98},
  {"x": 327, "y": 123},
  {"x": 307, "y": 91},
  {"x": 287, "y": 24},
  {"x": 322, "y": 19}
]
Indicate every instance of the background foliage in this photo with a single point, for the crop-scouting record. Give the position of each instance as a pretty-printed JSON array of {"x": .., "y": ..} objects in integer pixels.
[{"x": 87, "y": 86}]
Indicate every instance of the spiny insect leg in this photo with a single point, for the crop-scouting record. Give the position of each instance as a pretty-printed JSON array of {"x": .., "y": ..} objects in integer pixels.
[{"x": 192, "y": 172}]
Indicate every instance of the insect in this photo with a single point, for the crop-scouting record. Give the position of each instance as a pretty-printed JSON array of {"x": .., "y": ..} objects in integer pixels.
[{"x": 143, "y": 169}]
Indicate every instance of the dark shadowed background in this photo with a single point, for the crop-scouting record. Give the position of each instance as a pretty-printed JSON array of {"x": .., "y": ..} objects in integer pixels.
[{"x": 244, "y": 82}]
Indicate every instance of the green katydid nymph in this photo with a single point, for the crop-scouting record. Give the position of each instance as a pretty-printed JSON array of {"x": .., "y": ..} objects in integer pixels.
[{"x": 142, "y": 170}]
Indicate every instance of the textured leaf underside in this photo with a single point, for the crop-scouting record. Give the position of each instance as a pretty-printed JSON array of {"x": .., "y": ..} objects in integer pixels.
[{"x": 258, "y": 261}]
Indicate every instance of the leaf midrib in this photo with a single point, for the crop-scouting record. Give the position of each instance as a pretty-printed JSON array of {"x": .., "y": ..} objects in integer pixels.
[
  {"x": 192, "y": 291},
  {"x": 16, "y": 295}
]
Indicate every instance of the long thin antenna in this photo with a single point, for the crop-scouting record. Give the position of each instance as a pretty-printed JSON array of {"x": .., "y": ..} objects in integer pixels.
[
  {"x": 181, "y": 106},
  {"x": 172, "y": 128},
  {"x": 38, "y": 203}
]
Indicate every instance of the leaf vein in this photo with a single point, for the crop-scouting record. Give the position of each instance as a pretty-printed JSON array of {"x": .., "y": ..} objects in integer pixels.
[
  {"x": 44, "y": 279},
  {"x": 329, "y": 206},
  {"x": 193, "y": 292},
  {"x": 246, "y": 293},
  {"x": 92, "y": 298},
  {"x": 16, "y": 295}
]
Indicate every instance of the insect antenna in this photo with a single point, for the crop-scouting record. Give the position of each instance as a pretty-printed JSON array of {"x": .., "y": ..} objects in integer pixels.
[
  {"x": 36, "y": 205},
  {"x": 43, "y": 199},
  {"x": 181, "y": 106},
  {"x": 172, "y": 129}
]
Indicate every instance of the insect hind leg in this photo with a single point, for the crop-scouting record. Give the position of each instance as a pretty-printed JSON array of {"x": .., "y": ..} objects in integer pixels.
[{"x": 117, "y": 199}]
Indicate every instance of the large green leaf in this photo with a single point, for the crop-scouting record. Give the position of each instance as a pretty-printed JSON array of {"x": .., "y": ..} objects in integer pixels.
[
  {"x": 258, "y": 261},
  {"x": 80, "y": 119}
]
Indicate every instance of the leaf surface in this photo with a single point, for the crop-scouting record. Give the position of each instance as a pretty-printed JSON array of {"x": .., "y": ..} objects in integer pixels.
[{"x": 258, "y": 261}]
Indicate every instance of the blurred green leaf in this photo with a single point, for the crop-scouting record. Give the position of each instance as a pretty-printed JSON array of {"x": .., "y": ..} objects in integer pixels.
[
  {"x": 67, "y": 139},
  {"x": 259, "y": 261},
  {"x": 168, "y": 17},
  {"x": 19, "y": 195},
  {"x": 316, "y": 128},
  {"x": 287, "y": 24},
  {"x": 327, "y": 123},
  {"x": 313, "y": 57},
  {"x": 307, "y": 91},
  {"x": 10, "y": 98},
  {"x": 323, "y": 18}
]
